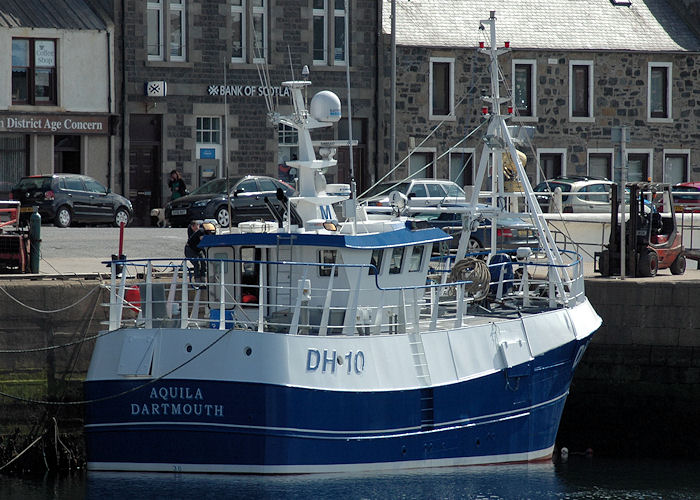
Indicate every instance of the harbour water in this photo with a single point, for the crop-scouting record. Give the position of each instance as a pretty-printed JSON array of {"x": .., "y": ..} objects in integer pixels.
[{"x": 579, "y": 478}]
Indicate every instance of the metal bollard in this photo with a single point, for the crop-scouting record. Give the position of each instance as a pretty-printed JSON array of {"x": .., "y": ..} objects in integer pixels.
[{"x": 34, "y": 241}]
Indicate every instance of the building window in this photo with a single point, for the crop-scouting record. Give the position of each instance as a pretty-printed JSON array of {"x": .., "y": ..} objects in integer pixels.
[
  {"x": 33, "y": 71},
  {"x": 329, "y": 32},
  {"x": 659, "y": 91},
  {"x": 524, "y": 78},
  {"x": 552, "y": 163},
  {"x": 166, "y": 21},
  {"x": 249, "y": 31},
  {"x": 441, "y": 89},
  {"x": 676, "y": 166},
  {"x": 14, "y": 161},
  {"x": 638, "y": 167},
  {"x": 600, "y": 164},
  {"x": 581, "y": 90},
  {"x": 462, "y": 167},
  {"x": 421, "y": 165},
  {"x": 209, "y": 130}
]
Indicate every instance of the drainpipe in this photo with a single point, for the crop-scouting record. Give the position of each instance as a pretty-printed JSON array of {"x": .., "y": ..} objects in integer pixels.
[
  {"x": 123, "y": 120},
  {"x": 110, "y": 182}
]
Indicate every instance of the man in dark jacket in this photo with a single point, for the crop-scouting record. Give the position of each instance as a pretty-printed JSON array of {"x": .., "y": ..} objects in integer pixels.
[{"x": 195, "y": 233}]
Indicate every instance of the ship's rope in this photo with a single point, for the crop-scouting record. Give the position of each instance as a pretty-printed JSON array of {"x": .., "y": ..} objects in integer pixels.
[
  {"x": 120, "y": 394},
  {"x": 475, "y": 271},
  {"x": 53, "y": 311}
]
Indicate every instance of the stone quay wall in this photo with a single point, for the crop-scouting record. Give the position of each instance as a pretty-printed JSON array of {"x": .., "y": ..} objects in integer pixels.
[{"x": 635, "y": 393}]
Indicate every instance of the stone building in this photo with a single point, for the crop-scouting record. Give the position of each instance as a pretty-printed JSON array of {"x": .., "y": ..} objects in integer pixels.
[
  {"x": 578, "y": 69},
  {"x": 56, "y": 91},
  {"x": 194, "y": 75}
]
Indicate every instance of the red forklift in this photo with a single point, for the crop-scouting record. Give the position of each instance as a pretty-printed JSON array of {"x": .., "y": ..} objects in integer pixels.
[{"x": 652, "y": 240}]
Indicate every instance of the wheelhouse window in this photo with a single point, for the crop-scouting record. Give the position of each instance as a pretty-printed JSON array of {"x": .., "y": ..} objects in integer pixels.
[
  {"x": 396, "y": 260},
  {"x": 165, "y": 21},
  {"x": 250, "y": 274},
  {"x": 580, "y": 89},
  {"x": 441, "y": 88},
  {"x": 327, "y": 257},
  {"x": 676, "y": 167},
  {"x": 659, "y": 91},
  {"x": 524, "y": 78},
  {"x": 416, "y": 260},
  {"x": 600, "y": 165},
  {"x": 249, "y": 35},
  {"x": 34, "y": 71},
  {"x": 376, "y": 261},
  {"x": 329, "y": 32}
]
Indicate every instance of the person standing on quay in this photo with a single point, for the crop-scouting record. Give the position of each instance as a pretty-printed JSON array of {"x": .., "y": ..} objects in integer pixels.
[{"x": 177, "y": 185}]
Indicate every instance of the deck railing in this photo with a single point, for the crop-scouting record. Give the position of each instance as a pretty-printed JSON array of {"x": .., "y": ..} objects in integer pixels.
[{"x": 350, "y": 302}]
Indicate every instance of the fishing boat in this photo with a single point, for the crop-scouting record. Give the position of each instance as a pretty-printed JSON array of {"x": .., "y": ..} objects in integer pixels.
[{"x": 316, "y": 345}]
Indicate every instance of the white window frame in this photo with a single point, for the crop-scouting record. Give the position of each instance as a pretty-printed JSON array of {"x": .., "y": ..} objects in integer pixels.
[
  {"x": 459, "y": 152},
  {"x": 591, "y": 96},
  {"x": 541, "y": 151},
  {"x": 178, "y": 7},
  {"x": 260, "y": 10},
  {"x": 432, "y": 151},
  {"x": 533, "y": 89},
  {"x": 158, "y": 6},
  {"x": 669, "y": 87},
  {"x": 330, "y": 14},
  {"x": 240, "y": 11},
  {"x": 676, "y": 152},
  {"x": 650, "y": 155},
  {"x": 451, "y": 115},
  {"x": 322, "y": 13},
  {"x": 336, "y": 14},
  {"x": 601, "y": 151}
]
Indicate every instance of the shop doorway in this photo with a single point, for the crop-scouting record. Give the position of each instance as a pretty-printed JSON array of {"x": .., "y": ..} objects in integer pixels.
[{"x": 66, "y": 154}]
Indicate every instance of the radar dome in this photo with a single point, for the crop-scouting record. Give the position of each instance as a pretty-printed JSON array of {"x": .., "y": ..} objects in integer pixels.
[{"x": 325, "y": 106}]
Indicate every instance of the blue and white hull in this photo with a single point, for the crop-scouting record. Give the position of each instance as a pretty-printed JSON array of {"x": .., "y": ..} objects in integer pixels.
[{"x": 298, "y": 404}]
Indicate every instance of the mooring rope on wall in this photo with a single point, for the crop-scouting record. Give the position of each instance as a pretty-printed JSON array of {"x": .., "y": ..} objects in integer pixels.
[
  {"x": 120, "y": 394},
  {"x": 34, "y": 309}
]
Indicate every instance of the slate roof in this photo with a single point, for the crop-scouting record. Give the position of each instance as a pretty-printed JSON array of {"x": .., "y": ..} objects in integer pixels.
[
  {"x": 60, "y": 14},
  {"x": 645, "y": 25}
]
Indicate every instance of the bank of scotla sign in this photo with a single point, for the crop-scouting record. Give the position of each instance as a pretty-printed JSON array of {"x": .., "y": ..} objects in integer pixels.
[
  {"x": 39, "y": 123},
  {"x": 248, "y": 90}
]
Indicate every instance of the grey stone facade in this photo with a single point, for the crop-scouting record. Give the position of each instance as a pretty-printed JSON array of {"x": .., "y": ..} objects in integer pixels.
[{"x": 252, "y": 140}]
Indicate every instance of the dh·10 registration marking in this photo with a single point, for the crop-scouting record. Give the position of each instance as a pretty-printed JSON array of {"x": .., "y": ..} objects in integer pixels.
[{"x": 328, "y": 361}]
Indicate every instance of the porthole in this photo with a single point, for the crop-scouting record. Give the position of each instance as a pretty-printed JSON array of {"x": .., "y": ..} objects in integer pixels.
[
  {"x": 248, "y": 351},
  {"x": 188, "y": 348}
]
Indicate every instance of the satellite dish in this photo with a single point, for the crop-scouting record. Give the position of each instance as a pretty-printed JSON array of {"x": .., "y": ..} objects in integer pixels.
[{"x": 398, "y": 200}]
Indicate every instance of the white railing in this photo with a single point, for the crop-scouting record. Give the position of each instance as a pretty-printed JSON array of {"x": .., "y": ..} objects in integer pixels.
[{"x": 351, "y": 302}]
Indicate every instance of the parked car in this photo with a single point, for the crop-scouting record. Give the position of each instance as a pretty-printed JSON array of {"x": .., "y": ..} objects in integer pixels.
[
  {"x": 512, "y": 232},
  {"x": 210, "y": 201},
  {"x": 420, "y": 193},
  {"x": 580, "y": 194},
  {"x": 686, "y": 197},
  {"x": 67, "y": 199}
]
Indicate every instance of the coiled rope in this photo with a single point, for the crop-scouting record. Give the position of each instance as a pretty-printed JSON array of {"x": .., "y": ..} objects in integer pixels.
[{"x": 475, "y": 271}]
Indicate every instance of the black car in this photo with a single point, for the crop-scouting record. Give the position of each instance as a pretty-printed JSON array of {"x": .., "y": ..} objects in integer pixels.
[
  {"x": 209, "y": 201},
  {"x": 66, "y": 199}
]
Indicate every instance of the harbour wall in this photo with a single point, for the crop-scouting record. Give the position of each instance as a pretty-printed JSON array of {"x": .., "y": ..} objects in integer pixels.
[{"x": 635, "y": 393}]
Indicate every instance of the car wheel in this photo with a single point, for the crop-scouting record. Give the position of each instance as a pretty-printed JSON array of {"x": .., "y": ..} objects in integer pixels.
[
  {"x": 678, "y": 266},
  {"x": 222, "y": 217},
  {"x": 64, "y": 217},
  {"x": 121, "y": 216},
  {"x": 474, "y": 245},
  {"x": 648, "y": 264}
]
